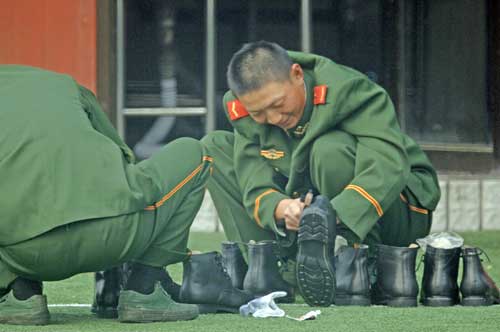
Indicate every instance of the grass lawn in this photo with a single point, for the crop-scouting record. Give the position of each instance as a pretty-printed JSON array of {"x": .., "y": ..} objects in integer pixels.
[{"x": 79, "y": 290}]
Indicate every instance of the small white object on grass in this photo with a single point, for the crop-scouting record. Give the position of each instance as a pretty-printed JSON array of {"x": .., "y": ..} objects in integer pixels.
[{"x": 311, "y": 315}]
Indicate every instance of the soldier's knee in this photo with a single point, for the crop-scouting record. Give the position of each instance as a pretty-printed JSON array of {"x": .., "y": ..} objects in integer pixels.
[
  {"x": 188, "y": 144},
  {"x": 217, "y": 139},
  {"x": 334, "y": 146}
]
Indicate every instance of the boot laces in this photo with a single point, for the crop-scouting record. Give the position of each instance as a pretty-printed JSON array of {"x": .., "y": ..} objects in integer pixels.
[
  {"x": 481, "y": 252},
  {"x": 218, "y": 261},
  {"x": 489, "y": 266}
]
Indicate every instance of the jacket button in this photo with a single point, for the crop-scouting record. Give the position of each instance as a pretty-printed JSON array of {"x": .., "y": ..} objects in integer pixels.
[
  {"x": 295, "y": 194},
  {"x": 276, "y": 169}
]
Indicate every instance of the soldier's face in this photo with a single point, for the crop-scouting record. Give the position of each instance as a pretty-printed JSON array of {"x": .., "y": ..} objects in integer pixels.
[{"x": 278, "y": 103}]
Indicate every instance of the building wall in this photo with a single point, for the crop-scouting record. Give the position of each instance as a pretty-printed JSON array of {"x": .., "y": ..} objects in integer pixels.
[{"x": 58, "y": 35}]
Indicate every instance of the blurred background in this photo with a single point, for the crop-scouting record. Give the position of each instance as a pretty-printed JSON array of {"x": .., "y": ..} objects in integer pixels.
[{"x": 158, "y": 68}]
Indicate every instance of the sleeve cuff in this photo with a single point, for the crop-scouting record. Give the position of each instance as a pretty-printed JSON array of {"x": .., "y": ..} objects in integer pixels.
[
  {"x": 264, "y": 211},
  {"x": 357, "y": 213}
]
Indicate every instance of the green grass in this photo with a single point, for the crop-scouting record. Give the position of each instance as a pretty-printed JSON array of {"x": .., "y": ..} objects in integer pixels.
[{"x": 79, "y": 289}]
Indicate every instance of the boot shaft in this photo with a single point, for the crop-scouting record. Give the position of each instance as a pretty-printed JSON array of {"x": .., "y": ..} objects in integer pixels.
[
  {"x": 396, "y": 271},
  {"x": 204, "y": 276},
  {"x": 439, "y": 281},
  {"x": 206, "y": 283},
  {"x": 352, "y": 271},
  {"x": 440, "y": 271},
  {"x": 262, "y": 256},
  {"x": 234, "y": 263},
  {"x": 263, "y": 275},
  {"x": 475, "y": 281}
]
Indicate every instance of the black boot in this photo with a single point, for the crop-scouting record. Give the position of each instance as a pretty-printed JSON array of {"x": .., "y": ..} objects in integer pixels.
[
  {"x": 396, "y": 283},
  {"x": 352, "y": 279},
  {"x": 234, "y": 263},
  {"x": 263, "y": 275},
  {"x": 206, "y": 283},
  {"x": 316, "y": 241},
  {"x": 171, "y": 287},
  {"x": 477, "y": 287},
  {"x": 108, "y": 285},
  {"x": 439, "y": 282}
]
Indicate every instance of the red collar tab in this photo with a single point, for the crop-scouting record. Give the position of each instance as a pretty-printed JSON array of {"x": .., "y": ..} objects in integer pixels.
[
  {"x": 236, "y": 110},
  {"x": 320, "y": 94}
]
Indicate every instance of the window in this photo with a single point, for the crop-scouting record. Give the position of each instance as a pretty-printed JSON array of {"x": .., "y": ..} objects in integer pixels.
[
  {"x": 165, "y": 61},
  {"x": 445, "y": 81}
]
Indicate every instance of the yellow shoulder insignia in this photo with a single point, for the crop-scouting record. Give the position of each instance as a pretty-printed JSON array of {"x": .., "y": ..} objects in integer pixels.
[
  {"x": 272, "y": 154},
  {"x": 320, "y": 94}
]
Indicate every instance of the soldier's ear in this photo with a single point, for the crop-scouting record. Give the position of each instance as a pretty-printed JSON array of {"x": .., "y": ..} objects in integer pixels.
[{"x": 296, "y": 73}]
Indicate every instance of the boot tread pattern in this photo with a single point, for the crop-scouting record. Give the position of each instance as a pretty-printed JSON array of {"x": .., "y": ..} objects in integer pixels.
[{"x": 315, "y": 275}]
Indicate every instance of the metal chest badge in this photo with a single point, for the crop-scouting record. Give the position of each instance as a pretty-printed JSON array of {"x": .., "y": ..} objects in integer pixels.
[{"x": 272, "y": 154}]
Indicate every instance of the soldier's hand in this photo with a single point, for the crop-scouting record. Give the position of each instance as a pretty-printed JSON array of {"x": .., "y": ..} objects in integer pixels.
[{"x": 290, "y": 211}]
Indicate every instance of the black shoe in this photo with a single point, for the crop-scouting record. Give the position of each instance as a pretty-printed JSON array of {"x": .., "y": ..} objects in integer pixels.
[
  {"x": 108, "y": 285},
  {"x": 234, "y": 263},
  {"x": 477, "y": 287},
  {"x": 263, "y": 275},
  {"x": 352, "y": 279},
  {"x": 439, "y": 282},
  {"x": 396, "y": 283},
  {"x": 206, "y": 283},
  {"x": 316, "y": 240}
]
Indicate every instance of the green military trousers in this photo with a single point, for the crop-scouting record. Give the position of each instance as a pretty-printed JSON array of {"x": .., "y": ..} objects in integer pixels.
[
  {"x": 331, "y": 169},
  {"x": 155, "y": 236}
]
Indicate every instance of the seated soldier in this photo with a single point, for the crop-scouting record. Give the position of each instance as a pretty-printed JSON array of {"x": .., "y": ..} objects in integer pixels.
[
  {"x": 73, "y": 200},
  {"x": 303, "y": 122}
]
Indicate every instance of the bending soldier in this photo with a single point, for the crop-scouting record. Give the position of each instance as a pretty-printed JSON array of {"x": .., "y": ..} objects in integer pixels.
[
  {"x": 75, "y": 201},
  {"x": 302, "y": 121}
]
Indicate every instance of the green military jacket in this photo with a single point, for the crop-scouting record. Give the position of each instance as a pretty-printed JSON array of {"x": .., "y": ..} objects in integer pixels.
[
  {"x": 60, "y": 158},
  {"x": 387, "y": 161}
]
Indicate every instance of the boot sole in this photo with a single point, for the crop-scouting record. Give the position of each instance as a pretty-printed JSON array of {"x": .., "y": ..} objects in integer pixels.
[
  {"x": 105, "y": 313},
  {"x": 354, "y": 300},
  {"x": 215, "y": 308},
  {"x": 42, "y": 318},
  {"x": 147, "y": 316},
  {"x": 315, "y": 274},
  {"x": 476, "y": 301},
  {"x": 402, "y": 302},
  {"x": 439, "y": 301},
  {"x": 285, "y": 299}
]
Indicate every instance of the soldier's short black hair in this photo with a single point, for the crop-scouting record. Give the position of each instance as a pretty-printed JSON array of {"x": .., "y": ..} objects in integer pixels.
[{"x": 256, "y": 64}]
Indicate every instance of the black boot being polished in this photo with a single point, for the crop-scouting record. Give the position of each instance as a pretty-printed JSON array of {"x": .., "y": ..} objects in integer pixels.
[
  {"x": 352, "y": 279},
  {"x": 206, "y": 283},
  {"x": 439, "y": 282},
  {"x": 477, "y": 287},
  {"x": 263, "y": 275},
  {"x": 316, "y": 241},
  {"x": 396, "y": 283},
  {"x": 234, "y": 263}
]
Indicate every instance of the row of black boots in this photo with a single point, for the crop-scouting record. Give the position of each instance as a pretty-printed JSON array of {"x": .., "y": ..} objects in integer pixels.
[
  {"x": 396, "y": 282},
  {"x": 215, "y": 282},
  {"x": 391, "y": 280},
  {"x": 224, "y": 282}
]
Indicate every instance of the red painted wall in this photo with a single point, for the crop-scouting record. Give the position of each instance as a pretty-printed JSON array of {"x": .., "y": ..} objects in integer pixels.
[{"x": 58, "y": 35}]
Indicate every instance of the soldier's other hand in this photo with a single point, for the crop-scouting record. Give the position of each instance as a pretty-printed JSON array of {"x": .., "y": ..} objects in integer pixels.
[{"x": 290, "y": 211}]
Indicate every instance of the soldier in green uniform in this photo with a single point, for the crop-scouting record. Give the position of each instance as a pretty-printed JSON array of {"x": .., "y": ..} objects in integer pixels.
[
  {"x": 302, "y": 121},
  {"x": 74, "y": 200}
]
